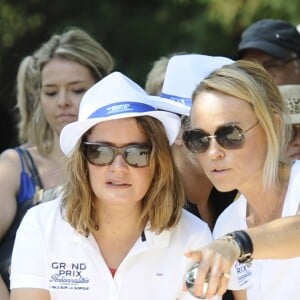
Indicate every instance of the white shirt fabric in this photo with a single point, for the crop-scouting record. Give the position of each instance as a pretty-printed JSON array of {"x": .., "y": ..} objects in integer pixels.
[
  {"x": 49, "y": 254},
  {"x": 264, "y": 279}
]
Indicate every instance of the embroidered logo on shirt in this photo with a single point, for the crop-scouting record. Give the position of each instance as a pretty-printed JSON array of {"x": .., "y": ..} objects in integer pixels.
[
  {"x": 243, "y": 273},
  {"x": 72, "y": 276}
]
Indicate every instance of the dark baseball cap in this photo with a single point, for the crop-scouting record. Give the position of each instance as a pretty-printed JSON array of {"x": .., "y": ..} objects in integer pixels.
[{"x": 276, "y": 37}]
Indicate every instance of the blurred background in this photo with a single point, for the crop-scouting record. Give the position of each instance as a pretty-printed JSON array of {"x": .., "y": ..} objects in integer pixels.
[{"x": 136, "y": 33}]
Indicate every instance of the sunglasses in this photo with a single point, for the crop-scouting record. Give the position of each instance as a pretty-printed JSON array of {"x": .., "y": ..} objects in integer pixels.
[
  {"x": 279, "y": 63},
  {"x": 228, "y": 137},
  {"x": 102, "y": 154}
]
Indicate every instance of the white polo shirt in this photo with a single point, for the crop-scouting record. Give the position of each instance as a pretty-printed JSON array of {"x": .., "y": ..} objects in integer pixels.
[
  {"x": 264, "y": 279},
  {"x": 49, "y": 254}
]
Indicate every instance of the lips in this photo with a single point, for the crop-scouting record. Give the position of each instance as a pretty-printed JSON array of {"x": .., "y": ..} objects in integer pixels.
[
  {"x": 117, "y": 184},
  {"x": 66, "y": 118},
  {"x": 219, "y": 170}
]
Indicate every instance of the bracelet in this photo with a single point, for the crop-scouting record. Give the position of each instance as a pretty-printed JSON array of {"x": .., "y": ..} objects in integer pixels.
[{"x": 244, "y": 242}]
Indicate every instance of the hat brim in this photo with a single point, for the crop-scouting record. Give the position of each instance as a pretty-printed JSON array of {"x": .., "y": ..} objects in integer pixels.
[
  {"x": 73, "y": 132},
  {"x": 170, "y": 105},
  {"x": 270, "y": 48}
]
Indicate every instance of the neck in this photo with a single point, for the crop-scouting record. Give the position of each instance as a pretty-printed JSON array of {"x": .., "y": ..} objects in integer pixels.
[
  {"x": 266, "y": 206},
  {"x": 118, "y": 232},
  {"x": 119, "y": 219},
  {"x": 56, "y": 154}
]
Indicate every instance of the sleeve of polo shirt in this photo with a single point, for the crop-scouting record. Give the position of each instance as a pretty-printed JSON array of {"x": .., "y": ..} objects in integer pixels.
[{"x": 28, "y": 267}]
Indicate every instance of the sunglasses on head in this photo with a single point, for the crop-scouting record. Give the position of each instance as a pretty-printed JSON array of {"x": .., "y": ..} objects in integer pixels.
[
  {"x": 227, "y": 136},
  {"x": 102, "y": 154}
]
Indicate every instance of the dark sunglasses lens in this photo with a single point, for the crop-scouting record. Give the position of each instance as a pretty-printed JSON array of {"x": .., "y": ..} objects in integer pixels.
[
  {"x": 99, "y": 155},
  {"x": 137, "y": 156},
  {"x": 230, "y": 137},
  {"x": 196, "y": 140}
]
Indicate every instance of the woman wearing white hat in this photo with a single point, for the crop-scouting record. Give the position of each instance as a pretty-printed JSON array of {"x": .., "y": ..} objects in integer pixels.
[
  {"x": 239, "y": 136},
  {"x": 118, "y": 230}
]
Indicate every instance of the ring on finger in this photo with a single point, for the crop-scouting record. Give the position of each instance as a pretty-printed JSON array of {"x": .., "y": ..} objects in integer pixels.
[{"x": 226, "y": 275}]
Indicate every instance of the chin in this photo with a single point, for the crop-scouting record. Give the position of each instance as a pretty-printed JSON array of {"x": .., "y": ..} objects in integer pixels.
[{"x": 224, "y": 188}]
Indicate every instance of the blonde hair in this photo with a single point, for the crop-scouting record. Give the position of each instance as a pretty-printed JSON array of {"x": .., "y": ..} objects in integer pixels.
[
  {"x": 156, "y": 76},
  {"x": 75, "y": 45},
  {"x": 163, "y": 202},
  {"x": 250, "y": 82},
  {"x": 27, "y": 87}
]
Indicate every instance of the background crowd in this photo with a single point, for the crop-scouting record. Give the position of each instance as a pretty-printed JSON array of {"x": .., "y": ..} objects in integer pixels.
[
  {"x": 50, "y": 83},
  {"x": 135, "y": 32}
]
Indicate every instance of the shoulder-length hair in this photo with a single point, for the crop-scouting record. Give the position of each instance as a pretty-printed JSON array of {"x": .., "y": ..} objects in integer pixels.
[
  {"x": 75, "y": 45},
  {"x": 163, "y": 202},
  {"x": 250, "y": 82}
]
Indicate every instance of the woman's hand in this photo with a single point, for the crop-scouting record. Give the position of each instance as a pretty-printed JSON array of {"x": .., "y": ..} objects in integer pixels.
[{"x": 215, "y": 261}]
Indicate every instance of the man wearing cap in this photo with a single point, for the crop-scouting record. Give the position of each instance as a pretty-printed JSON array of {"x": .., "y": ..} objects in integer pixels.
[{"x": 275, "y": 44}]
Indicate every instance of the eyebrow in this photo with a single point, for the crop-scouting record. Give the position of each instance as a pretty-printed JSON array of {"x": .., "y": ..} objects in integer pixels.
[
  {"x": 221, "y": 126},
  {"x": 69, "y": 83},
  {"x": 147, "y": 144}
]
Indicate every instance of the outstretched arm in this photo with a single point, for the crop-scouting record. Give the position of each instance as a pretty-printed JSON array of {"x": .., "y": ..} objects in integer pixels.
[{"x": 281, "y": 235}]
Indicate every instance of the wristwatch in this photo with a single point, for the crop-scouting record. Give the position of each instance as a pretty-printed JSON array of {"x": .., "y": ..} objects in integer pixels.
[{"x": 244, "y": 242}]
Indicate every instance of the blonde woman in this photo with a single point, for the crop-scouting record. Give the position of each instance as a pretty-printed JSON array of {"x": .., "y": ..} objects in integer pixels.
[
  {"x": 50, "y": 85},
  {"x": 239, "y": 134}
]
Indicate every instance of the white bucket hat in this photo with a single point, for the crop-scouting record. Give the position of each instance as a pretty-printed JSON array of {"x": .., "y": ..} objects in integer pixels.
[
  {"x": 184, "y": 72},
  {"x": 291, "y": 95},
  {"x": 114, "y": 97}
]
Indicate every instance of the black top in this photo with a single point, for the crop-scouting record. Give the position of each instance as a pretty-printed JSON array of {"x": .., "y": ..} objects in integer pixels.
[{"x": 217, "y": 202}]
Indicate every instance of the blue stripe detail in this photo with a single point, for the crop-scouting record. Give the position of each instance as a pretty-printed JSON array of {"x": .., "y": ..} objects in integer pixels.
[
  {"x": 181, "y": 100},
  {"x": 121, "y": 108}
]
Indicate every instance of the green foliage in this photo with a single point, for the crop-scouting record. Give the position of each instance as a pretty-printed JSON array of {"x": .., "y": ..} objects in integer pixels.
[
  {"x": 135, "y": 32},
  {"x": 230, "y": 13},
  {"x": 15, "y": 23}
]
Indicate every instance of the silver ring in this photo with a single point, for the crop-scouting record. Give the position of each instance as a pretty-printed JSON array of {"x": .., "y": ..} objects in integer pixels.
[{"x": 226, "y": 275}]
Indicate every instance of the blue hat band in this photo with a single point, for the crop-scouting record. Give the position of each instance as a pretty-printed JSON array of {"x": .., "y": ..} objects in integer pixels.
[
  {"x": 181, "y": 100},
  {"x": 121, "y": 108}
]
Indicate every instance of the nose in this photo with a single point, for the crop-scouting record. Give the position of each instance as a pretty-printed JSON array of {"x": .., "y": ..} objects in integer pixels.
[
  {"x": 215, "y": 151},
  {"x": 63, "y": 98},
  {"x": 118, "y": 162}
]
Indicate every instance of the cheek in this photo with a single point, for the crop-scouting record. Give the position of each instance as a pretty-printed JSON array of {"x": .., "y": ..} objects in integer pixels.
[
  {"x": 47, "y": 108},
  {"x": 195, "y": 160},
  {"x": 94, "y": 175},
  {"x": 143, "y": 179},
  {"x": 250, "y": 159},
  {"x": 200, "y": 160},
  {"x": 76, "y": 102}
]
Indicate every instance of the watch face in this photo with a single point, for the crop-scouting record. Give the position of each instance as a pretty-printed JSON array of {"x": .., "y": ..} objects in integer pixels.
[{"x": 190, "y": 279}]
